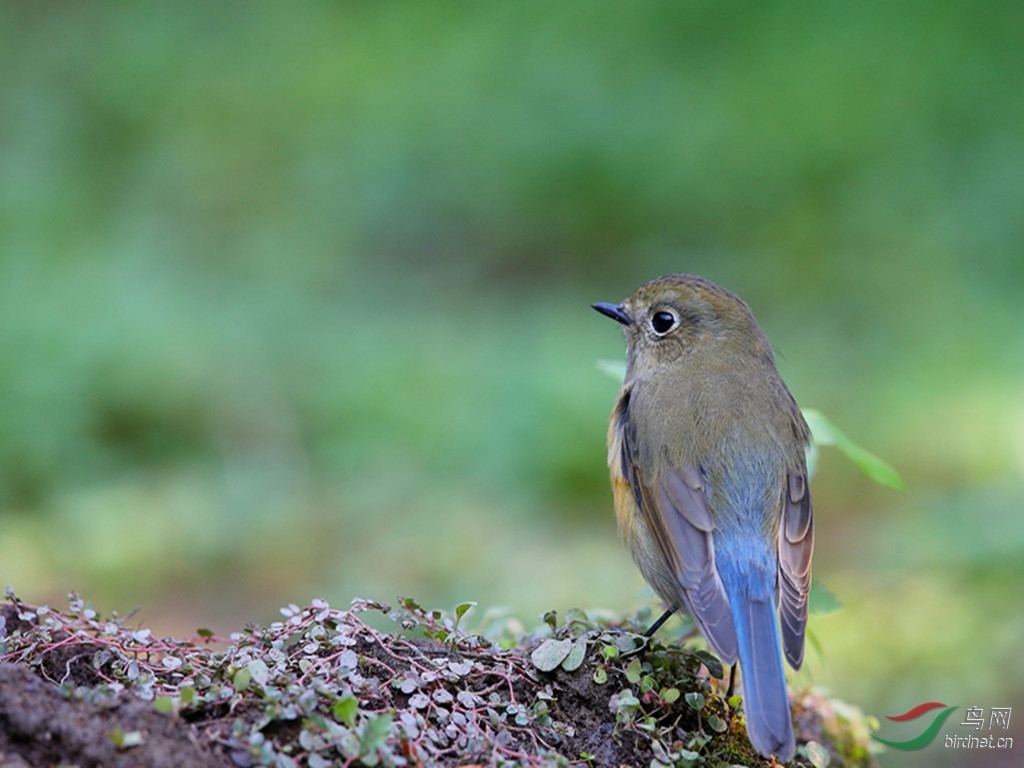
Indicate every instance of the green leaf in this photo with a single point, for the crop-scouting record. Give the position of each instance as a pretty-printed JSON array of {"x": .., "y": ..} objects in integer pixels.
[
  {"x": 122, "y": 739},
  {"x": 824, "y": 432},
  {"x": 633, "y": 671},
  {"x": 627, "y": 643},
  {"x": 627, "y": 706},
  {"x": 163, "y": 704},
  {"x": 669, "y": 695},
  {"x": 202, "y": 632},
  {"x": 460, "y": 611},
  {"x": 345, "y": 710},
  {"x": 695, "y": 700},
  {"x": 241, "y": 679},
  {"x": 812, "y": 639},
  {"x": 550, "y": 654},
  {"x": 375, "y": 733},
  {"x": 609, "y": 651},
  {"x": 817, "y": 754},
  {"x": 811, "y": 454},
  {"x": 258, "y": 672},
  {"x": 577, "y": 616},
  {"x": 712, "y": 662},
  {"x": 873, "y": 466},
  {"x": 700, "y": 739},
  {"x": 717, "y": 724},
  {"x": 187, "y": 693},
  {"x": 821, "y": 600},
  {"x": 614, "y": 368},
  {"x": 600, "y": 676},
  {"x": 576, "y": 654}
]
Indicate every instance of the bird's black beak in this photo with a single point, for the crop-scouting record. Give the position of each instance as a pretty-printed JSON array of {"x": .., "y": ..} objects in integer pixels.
[{"x": 614, "y": 311}]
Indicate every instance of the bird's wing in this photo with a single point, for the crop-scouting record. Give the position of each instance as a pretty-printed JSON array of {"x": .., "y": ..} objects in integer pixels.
[
  {"x": 796, "y": 543},
  {"x": 675, "y": 509}
]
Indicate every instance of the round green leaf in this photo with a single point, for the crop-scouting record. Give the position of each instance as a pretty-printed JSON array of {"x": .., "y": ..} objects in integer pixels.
[
  {"x": 576, "y": 654},
  {"x": 550, "y": 654},
  {"x": 241, "y": 679},
  {"x": 717, "y": 724},
  {"x": 695, "y": 700}
]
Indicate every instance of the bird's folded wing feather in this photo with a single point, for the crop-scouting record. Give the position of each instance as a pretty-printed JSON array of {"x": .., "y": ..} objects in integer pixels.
[
  {"x": 796, "y": 543},
  {"x": 675, "y": 509}
]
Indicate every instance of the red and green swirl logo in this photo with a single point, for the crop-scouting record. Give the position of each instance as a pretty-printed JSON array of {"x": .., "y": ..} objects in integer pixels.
[{"x": 926, "y": 737}]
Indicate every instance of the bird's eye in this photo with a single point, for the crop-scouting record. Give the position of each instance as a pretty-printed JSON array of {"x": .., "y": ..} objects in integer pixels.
[{"x": 663, "y": 322}]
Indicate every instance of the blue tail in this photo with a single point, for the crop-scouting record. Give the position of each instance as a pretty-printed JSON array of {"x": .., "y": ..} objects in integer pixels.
[
  {"x": 748, "y": 568},
  {"x": 765, "y": 701}
]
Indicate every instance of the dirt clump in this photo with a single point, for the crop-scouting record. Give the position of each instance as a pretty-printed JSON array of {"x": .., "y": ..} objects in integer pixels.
[{"x": 40, "y": 726}]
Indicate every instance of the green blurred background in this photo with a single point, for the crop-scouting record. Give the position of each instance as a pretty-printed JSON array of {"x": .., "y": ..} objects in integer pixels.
[{"x": 294, "y": 303}]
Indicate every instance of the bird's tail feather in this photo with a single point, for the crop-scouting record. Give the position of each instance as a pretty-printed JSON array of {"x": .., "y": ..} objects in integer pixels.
[{"x": 765, "y": 701}]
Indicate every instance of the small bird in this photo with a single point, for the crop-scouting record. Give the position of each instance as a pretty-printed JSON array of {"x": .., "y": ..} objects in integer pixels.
[{"x": 706, "y": 453}]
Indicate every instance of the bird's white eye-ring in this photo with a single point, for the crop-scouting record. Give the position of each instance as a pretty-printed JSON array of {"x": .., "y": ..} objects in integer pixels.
[{"x": 662, "y": 322}]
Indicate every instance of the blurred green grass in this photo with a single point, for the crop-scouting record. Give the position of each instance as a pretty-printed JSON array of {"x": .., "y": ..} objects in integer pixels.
[{"x": 293, "y": 300}]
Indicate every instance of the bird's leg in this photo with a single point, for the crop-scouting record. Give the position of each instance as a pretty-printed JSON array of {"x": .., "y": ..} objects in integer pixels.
[
  {"x": 732, "y": 681},
  {"x": 657, "y": 625}
]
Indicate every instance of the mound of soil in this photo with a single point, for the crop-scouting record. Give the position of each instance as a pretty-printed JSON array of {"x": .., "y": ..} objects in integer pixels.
[
  {"x": 324, "y": 688},
  {"x": 39, "y": 726}
]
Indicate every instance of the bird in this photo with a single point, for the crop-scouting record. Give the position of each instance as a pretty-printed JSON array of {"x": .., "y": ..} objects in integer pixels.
[{"x": 706, "y": 452}]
